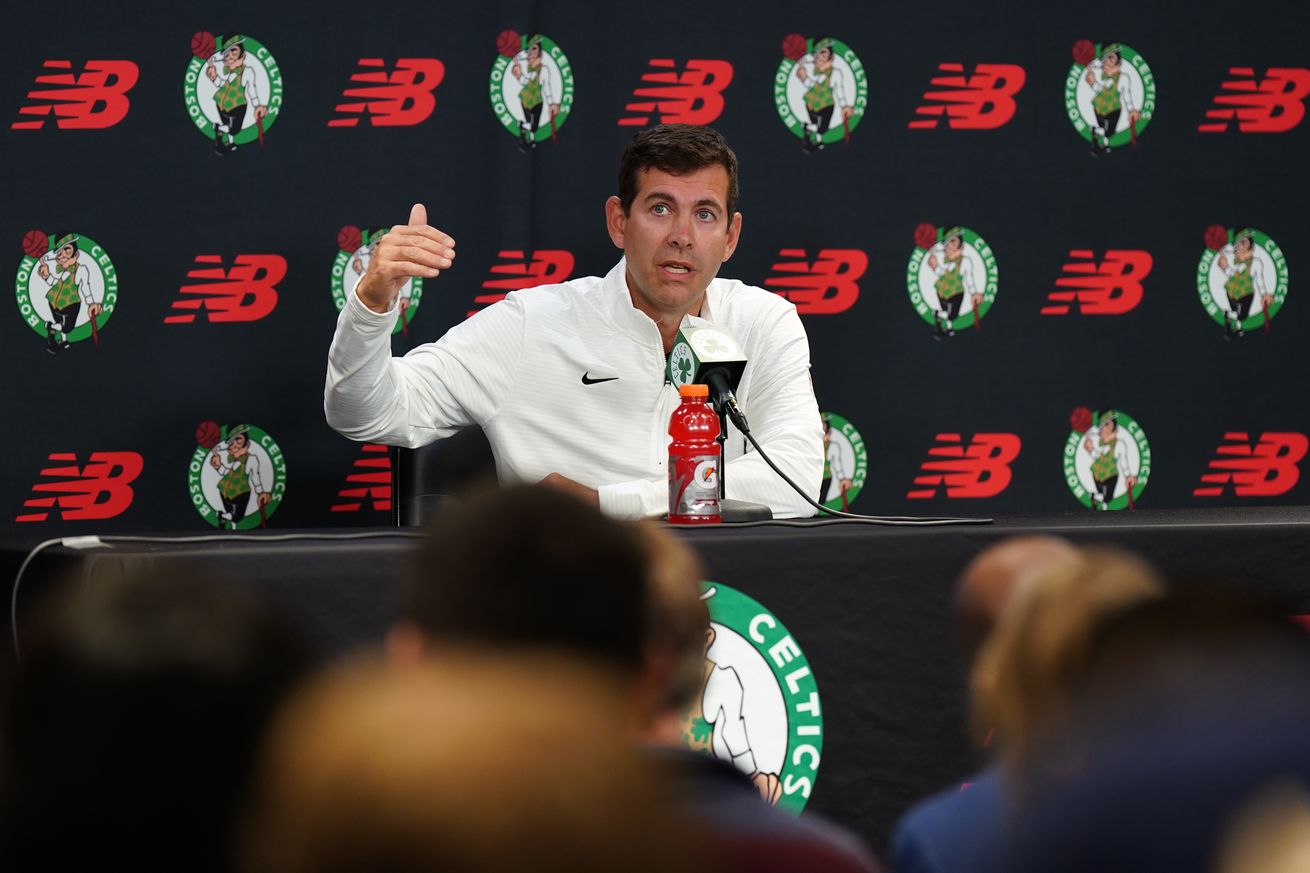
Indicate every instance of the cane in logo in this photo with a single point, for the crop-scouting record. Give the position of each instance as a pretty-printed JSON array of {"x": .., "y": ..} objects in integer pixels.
[
  {"x": 1109, "y": 94},
  {"x": 1107, "y": 460},
  {"x": 952, "y": 278},
  {"x": 820, "y": 90},
  {"x": 238, "y": 476},
  {"x": 1241, "y": 278},
  {"x": 355, "y": 248},
  {"x": 845, "y": 463},
  {"x": 531, "y": 78},
  {"x": 231, "y": 81},
  {"x": 758, "y": 708},
  {"x": 67, "y": 288}
]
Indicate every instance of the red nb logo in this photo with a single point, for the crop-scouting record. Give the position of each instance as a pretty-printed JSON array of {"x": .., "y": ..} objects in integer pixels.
[
  {"x": 980, "y": 468},
  {"x": 1112, "y": 287},
  {"x": 545, "y": 267},
  {"x": 94, "y": 99},
  {"x": 1273, "y": 104},
  {"x": 246, "y": 292},
  {"x": 400, "y": 98},
  {"x": 102, "y": 489},
  {"x": 1266, "y": 469},
  {"x": 694, "y": 96},
  {"x": 371, "y": 480},
  {"x": 982, "y": 101},
  {"x": 827, "y": 286}
]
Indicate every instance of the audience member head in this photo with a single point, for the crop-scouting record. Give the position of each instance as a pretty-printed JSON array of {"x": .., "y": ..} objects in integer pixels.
[
  {"x": 132, "y": 720},
  {"x": 527, "y": 568},
  {"x": 991, "y": 579},
  {"x": 464, "y": 763},
  {"x": 1024, "y": 675}
]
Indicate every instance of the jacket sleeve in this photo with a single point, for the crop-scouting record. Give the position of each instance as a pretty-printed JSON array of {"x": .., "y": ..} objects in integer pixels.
[{"x": 430, "y": 393}]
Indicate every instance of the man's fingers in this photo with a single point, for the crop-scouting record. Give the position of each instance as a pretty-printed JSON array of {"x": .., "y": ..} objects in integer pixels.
[
  {"x": 401, "y": 241},
  {"x": 416, "y": 255},
  {"x": 407, "y": 269},
  {"x": 418, "y": 215},
  {"x": 427, "y": 231}
]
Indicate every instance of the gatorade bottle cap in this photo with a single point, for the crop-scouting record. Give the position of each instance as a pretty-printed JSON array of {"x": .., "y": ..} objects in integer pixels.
[{"x": 693, "y": 391}]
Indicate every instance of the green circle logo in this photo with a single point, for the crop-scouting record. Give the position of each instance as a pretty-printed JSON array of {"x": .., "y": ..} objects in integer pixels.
[
  {"x": 820, "y": 89},
  {"x": 681, "y": 364},
  {"x": 355, "y": 248},
  {"x": 237, "y": 477},
  {"x": 531, "y": 87},
  {"x": 232, "y": 89},
  {"x": 952, "y": 278},
  {"x": 1109, "y": 94},
  {"x": 845, "y": 463},
  {"x": 759, "y": 706},
  {"x": 66, "y": 288},
  {"x": 1241, "y": 279},
  {"x": 1107, "y": 460}
]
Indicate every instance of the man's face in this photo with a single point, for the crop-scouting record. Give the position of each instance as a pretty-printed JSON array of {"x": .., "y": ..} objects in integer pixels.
[
  {"x": 66, "y": 256},
  {"x": 823, "y": 58},
  {"x": 1243, "y": 249},
  {"x": 232, "y": 57},
  {"x": 534, "y": 55},
  {"x": 676, "y": 234},
  {"x": 239, "y": 445},
  {"x": 1110, "y": 64},
  {"x": 953, "y": 247},
  {"x": 1106, "y": 430}
]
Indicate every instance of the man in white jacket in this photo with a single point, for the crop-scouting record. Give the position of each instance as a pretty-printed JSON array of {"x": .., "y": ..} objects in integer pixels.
[{"x": 567, "y": 380}]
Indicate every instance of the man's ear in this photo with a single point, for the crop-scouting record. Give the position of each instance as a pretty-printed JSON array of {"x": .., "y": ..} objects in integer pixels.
[
  {"x": 616, "y": 220},
  {"x": 405, "y": 643},
  {"x": 734, "y": 235}
]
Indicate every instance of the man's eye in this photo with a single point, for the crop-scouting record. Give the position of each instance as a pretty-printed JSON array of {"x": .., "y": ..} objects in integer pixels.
[
  {"x": 705, "y": 215},
  {"x": 660, "y": 209}
]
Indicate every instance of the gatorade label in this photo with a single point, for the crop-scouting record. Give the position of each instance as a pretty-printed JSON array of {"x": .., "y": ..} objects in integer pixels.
[{"x": 694, "y": 485}]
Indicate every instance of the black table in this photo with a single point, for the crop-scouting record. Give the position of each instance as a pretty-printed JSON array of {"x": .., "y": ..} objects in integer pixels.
[{"x": 869, "y": 606}]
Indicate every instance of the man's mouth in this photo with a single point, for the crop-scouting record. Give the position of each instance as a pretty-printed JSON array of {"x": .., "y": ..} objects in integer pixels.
[{"x": 677, "y": 268}]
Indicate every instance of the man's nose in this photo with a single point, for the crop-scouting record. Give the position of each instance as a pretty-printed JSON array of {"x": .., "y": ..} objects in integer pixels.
[{"x": 680, "y": 231}]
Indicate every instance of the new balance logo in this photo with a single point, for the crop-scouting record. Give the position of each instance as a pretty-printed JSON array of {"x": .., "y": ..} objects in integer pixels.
[
  {"x": 981, "y": 101},
  {"x": 102, "y": 489},
  {"x": 1266, "y": 469},
  {"x": 826, "y": 286},
  {"x": 1112, "y": 287},
  {"x": 545, "y": 267},
  {"x": 245, "y": 292},
  {"x": 978, "y": 468},
  {"x": 1273, "y": 104},
  {"x": 694, "y": 96},
  {"x": 400, "y": 98},
  {"x": 93, "y": 99},
  {"x": 370, "y": 482}
]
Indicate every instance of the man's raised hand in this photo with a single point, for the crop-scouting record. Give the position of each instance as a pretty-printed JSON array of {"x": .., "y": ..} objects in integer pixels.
[{"x": 405, "y": 251}]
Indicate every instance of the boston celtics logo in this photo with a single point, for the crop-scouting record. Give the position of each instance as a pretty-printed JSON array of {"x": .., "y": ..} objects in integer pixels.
[
  {"x": 233, "y": 89},
  {"x": 1109, "y": 94},
  {"x": 820, "y": 89},
  {"x": 952, "y": 278},
  {"x": 237, "y": 477},
  {"x": 845, "y": 462},
  {"x": 355, "y": 248},
  {"x": 759, "y": 706},
  {"x": 1242, "y": 278},
  {"x": 531, "y": 87},
  {"x": 66, "y": 288},
  {"x": 1107, "y": 460}
]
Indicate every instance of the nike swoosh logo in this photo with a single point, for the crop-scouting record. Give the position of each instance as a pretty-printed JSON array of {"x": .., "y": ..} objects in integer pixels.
[{"x": 587, "y": 380}]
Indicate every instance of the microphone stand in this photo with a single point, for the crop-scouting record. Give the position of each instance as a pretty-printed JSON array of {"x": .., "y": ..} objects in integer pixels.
[{"x": 730, "y": 510}]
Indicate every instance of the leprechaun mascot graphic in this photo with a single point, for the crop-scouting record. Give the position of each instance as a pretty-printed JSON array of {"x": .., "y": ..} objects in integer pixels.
[
  {"x": 69, "y": 287},
  {"x": 238, "y": 90},
  {"x": 239, "y": 473}
]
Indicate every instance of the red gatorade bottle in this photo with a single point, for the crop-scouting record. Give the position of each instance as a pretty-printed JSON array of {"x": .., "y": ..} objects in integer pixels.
[{"x": 694, "y": 459}]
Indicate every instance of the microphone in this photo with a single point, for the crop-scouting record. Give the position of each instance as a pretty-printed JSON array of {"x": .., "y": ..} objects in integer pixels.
[{"x": 707, "y": 355}]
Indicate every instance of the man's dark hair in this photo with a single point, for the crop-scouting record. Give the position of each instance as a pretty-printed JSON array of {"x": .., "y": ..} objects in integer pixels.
[
  {"x": 131, "y": 725},
  {"x": 676, "y": 149},
  {"x": 531, "y": 568}
]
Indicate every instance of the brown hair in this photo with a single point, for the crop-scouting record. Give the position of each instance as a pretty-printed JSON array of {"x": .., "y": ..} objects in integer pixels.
[{"x": 676, "y": 149}]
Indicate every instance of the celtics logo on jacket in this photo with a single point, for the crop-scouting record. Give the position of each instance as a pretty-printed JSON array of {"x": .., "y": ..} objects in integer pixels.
[
  {"x": 237, "y": 477},
  {"x": 1107, "y": 460},
  {"x": 531, "y": 87},
  {"x": 1241, "y": 279},
  {"x": 233, "y": 89},
  {"x": 952, "y": 278},
  {"x": 758, "y": 707},
  {"x": 845, "y": 463},
  {"x": 66, "y": 288},
  {"x": 1109, "y": 94},
  {"x": 820, "y": 90},
  {"x": 355, "y": 248}
]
